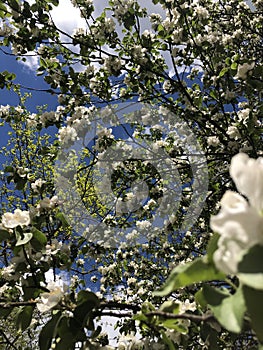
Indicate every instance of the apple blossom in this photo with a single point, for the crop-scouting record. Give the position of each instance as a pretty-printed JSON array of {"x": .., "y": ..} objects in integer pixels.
[
  {"x": 247, "y": 174},
  {"x": 50, "y": 299},
  {"x": 239, "y": 222},
  {"x": 244, "y": 70},
  {"x": 18, "y": 218},
  {"x": 36, "y": 186}
]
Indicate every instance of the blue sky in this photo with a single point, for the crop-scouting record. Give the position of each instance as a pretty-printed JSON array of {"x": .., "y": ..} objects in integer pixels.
[{"x": 26, "y": 77}]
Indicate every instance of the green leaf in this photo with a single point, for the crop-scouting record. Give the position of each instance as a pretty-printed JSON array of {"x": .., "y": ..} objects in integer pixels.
[
  {"x": 85, "y": 295},
  {"x": 96, "y": 332},
  {"x": 250, "y": 269},
  {"x": 4, "y": 311},
  {"x": 212, "y": 247},
  {"x": 23, "y": 238},
  {"x": 14, "y": 4},
  {"x": 48, "y": 332},
  {"x": 86, "y": 302},
  {"x": 253, "y": 298},
  {"x": 9, "y": 169},
  {"x": 129, "y": 21},
  {"x": 213, "y": 94},
  {"x": 214, "y": 296},
  {"x": 184, "y": 275},
  {"x": 60, "y": 216},
  {"x": 200, "y": 299},
  {"x": 2, "y": 8},
  {"x": 4, "y": 235},
  {"x": 234, "y": 65},
  {"x": 167, "y": 341},
  {"x": 170, "y": 307},
  {"x": 228, "y": 309},
  {"x": 210, "y": 336},
  {"x": 39, "y": 239},
  {"x": 24, "y": 318},
  {"x": 223, "y": 71},
  {"x": 20, "y": 184},
  {"x": 147, "y": 307}
]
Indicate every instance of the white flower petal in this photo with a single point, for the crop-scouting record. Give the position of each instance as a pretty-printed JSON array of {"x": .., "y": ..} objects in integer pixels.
[
  {"x": 227, "y": 256},
  {"x": 247, "y": 174},
  {"x": 237, "y": 220}
]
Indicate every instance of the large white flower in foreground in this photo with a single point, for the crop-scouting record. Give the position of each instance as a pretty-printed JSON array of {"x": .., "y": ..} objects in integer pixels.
[
  {"x": 240, "y": 227},
  {"x": 18, "y": 218},
  {"x": 239, "y": 222}
]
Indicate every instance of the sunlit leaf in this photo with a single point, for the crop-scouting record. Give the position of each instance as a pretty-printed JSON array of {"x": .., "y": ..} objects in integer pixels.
[
  {"x": 186, "y": 274},
  {"x": 250, "y": 269},
  {"x": 24, "y": 318},
  {"x": 228, "y": 309}
]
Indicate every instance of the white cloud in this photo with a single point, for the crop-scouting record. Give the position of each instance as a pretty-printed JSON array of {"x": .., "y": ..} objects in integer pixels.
[
  {"x": 67, "y": 18},
  {"x": 31, "y": 62}
]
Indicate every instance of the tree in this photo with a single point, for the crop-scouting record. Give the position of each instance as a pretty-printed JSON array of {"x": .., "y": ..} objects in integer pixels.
[{"x": 98, "y": 200}]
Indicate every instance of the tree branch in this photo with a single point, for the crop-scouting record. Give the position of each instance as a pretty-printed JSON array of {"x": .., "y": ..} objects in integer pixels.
[
  {"x": 8, "y": 304},
  {"x": 185, "y": 316}
]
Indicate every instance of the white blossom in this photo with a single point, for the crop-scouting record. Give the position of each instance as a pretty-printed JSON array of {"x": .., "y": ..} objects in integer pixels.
[
  {"x": 213, "y": 141},
  {"x": 18, "y": 218},
  {"x": 233, "y": 132},
  {"x": 4, "y": 110},
  {"x": 243, "y": 70},
  {"x": 247, "y": 174},
  {"x": 50, "y": 299},
  {"x": 240, "y": 222},
  {"x": 67, "y": 134},
  {"x": 49, "y": 116},
  {"x": 48, "y": 203},
  {"x": 243, "y": 114},
  {"x": 144, "y": 224},
  {"x": 201, "y": 12},
  {"x": 32, "y": 120},
  {"x": 22, "y": 172},
  {"x": 36, "y": 186}
]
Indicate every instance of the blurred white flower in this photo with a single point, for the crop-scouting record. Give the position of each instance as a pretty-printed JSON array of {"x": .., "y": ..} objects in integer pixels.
[
  {"x": 243, "y": 70},
  {"x": 4, "y": 110},
  {"x": 18, "y": 218},
  {"x": 48, "y": 203},
  {"x": 240, "y": 227},
  {"x": 239, "y": 222},
  {"x": 243, "y": 115},
  {"x": 247, "y": 174},
  {"x": 67, "y": 134},
  {"x": 50, "y": 299},
  {"x": 143, "y": 225},
  {"x": 213, "y": 141},
  {"x": 187, "y": 306},
  {"x": 233, "y": 132},
  {"x": 44, "y": 203},
  {"x": 36, "y": 186}
]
